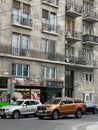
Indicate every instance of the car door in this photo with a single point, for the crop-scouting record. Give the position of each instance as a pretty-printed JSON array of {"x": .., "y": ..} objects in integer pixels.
[
  {"x": 33, "y": 106},
  {"x": 25, "y": 107}
]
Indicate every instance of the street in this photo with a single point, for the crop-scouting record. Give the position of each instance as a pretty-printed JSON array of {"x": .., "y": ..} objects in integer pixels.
[{"x": 87, "y": 122}]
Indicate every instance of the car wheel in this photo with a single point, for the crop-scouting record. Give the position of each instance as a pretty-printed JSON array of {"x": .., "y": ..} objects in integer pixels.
[
  {"x": 55, "y": 115},
  {"x": 78, "y": 114},
  {"x": 95, "y": 111},
  {"x": 41, "y": 117},
  {"x": 15, "y": 114}
]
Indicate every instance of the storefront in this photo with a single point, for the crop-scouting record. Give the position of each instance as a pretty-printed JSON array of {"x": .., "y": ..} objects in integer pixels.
[{"x": 26, "y": 88}]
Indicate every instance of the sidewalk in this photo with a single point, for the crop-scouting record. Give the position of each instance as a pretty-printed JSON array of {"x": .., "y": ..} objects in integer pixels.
[{"x": 92, "y": 127}]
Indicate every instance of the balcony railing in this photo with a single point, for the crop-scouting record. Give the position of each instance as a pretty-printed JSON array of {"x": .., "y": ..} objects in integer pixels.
[
  {"x": 90, "y": 16},
  {"x": 31, "y": 53},
  {"x": 80, "y": 61},
  {"x": 54, "y": 2},
  {"x": 73, "y": 36},
  {"x": 21, "y": 21},
  {"x": 92, "y": 40},
  {"x": 73, "y": 10},
  {"x": 49, "y": 28}
]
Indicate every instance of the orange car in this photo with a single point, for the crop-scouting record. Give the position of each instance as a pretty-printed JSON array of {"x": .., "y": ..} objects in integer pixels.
[{"x": 56, "y": 107}]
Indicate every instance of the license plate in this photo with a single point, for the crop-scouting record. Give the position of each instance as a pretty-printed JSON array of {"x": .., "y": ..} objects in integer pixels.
[{"x": 40, "y": 111}]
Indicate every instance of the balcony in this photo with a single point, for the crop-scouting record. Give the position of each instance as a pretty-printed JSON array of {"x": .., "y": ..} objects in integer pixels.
[
  {"x": 17, "y": 52},
  {"x": 90, "y": 40},
  {"x": 22, "y": 22},
  {"x": 80, "y": 62},
  {"x": 53, "y": 3},
  {"x": 73, "y": 10},
  {"x": 90, "y": 17},
  {"x": 50, "y": 29},
  {"x": 73, "y": 36}
]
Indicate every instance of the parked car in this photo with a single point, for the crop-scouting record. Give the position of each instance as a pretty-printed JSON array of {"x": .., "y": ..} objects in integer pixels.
[
  {"x": 92, "y": 109},
  {"x": 56, "y": 107},
  {"x": 20, "y": 107},
  {"x": 89, "y": 108}
]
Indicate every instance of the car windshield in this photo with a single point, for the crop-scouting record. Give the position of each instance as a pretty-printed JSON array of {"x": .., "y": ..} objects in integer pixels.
[
  {"x": 53, "y": 101},
  {"x": 17, "y": 103}
]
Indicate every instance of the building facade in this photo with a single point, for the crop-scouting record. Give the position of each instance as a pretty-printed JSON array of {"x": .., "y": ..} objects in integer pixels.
[{"x": 49, "y": 46}]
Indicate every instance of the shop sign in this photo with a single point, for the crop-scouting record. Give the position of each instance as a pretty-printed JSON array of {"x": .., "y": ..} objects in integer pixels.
[
  {"x": 55, "y": 84},
  {"x": 26, "y": 81}
]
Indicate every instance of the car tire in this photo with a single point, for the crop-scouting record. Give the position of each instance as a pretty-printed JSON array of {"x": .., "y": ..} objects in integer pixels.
[
  {"x": 55, "y": 115},
  {"x": 78, "y": 114},
  {"x": 41, "y": 117},
  {"x": 15, "y": 114}
]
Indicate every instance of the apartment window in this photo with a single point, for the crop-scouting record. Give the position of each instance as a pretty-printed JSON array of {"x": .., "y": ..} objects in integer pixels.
[
  {"x": 20, "y": 69},
  {"x": 53, "y": 21},
  {"x": 88, "y": 97},
  {"x": 26, "y": 11},
  {"x": 48, "y": 72},
  {"x": 49, "y": 20},
  {"x": 15, "y": 43},
  {"x": 44, "y": 45},
  {"x": 45, "y": 16},
  {"x": 88, "y": 77},
  {"x": 88, "y": 29},
  {"x": 16, "y": 11},
  {"x": 25, "y": 42},
  {"x": 88, "y": 7},
  {"x": 48, "y": 46}
]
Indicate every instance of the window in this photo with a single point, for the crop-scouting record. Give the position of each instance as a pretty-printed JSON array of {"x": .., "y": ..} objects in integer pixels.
[
  {"x": 88, "y": 97},
  {"x": 15, "y": 43},
  {"x": 49, "y": 20},
  {"x": 44, "y": 45},
  {"x": 45, "y": 16},
  {"x": 25, "y": 42},
  {"x": 26, "y": 11},
  {"x": 20, "y": 70},
  {"x": 16, "y": 11},
  {"x": 88, "y": 77},
  {"x": 53, "y": 21},
  {"x": 48, "y": 72},
  {"x": 48, "y": 46},
  {"x": 88, "y": 28}
]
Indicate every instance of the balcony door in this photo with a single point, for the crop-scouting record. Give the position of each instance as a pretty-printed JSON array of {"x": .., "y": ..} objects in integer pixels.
[{"x": 69, "y": 83}]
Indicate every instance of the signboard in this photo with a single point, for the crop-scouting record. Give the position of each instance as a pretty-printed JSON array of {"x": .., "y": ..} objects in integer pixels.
[
  {"x": 58, "y": 84},
  {"x": 26, "y": 81}
]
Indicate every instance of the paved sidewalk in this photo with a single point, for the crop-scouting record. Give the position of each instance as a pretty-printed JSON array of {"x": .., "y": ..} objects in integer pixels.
[{"x": 92, "y": 127}]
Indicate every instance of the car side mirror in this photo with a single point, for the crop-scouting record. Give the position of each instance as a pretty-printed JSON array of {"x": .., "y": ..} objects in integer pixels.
[{"x": 24, "y": 105}]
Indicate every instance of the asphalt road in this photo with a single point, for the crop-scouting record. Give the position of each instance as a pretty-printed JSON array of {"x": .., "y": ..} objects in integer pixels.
[{"x": 87, "y": 122}]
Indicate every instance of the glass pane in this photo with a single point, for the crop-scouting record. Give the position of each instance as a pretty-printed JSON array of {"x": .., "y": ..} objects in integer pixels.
[
  {"x": 15, "y": 15},
  {"x": 15, "y": 40},
  {"x": 19, "y": 69},
  {"x": 25, "y": 42},
  {"x": 25, "y": 70},
  {"x": 13, "y": 69},
  {"x": 52, "y": 72},
  {"x": 47, "y": 72},
  {"x": 44, "y": 45}
]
